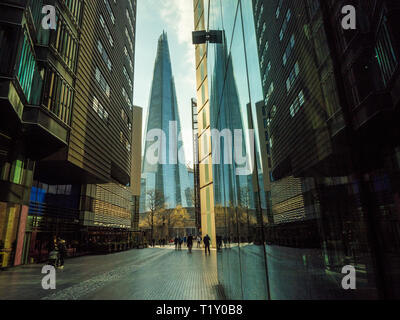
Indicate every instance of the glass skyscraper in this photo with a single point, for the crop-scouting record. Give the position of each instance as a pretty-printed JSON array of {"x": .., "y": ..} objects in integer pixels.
[{"x": 169, "y": 174}]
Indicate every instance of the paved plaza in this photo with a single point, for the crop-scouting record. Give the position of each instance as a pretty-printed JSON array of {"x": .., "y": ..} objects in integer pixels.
[{"x": 147, "y": 274}]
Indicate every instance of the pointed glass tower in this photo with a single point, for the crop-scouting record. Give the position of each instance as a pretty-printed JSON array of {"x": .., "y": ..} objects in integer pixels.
[{"x": 168, "y": 175}]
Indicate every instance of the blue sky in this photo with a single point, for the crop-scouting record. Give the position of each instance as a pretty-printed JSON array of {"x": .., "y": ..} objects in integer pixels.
[{"x": 176, "y": 18}]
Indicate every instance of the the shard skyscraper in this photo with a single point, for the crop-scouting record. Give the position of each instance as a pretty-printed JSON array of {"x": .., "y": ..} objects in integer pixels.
[{"x": 168, "y": 174}]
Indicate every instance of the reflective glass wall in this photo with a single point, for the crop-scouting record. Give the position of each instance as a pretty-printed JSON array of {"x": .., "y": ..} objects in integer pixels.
[
  {"x": 232, "y": 195},
  {"x": 320, "y": 210}
]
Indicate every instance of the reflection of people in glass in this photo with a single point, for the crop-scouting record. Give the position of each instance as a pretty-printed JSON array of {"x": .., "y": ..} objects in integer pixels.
[
  {"x": 219, "y": 242},
  {"x": 206, "y": 242},
  {"x": 190, "y": 243}
]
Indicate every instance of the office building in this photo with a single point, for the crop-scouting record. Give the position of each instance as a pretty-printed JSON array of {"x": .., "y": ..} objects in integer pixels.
[
  {"x": 329, "y": 102},
  {"x": 164, "y": 170},
  {"x": 77, "y": 92}
]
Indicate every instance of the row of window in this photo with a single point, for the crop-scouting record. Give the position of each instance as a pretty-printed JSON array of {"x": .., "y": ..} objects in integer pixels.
[
  {"x": 26, "y": 67},
  {"x": 66, "y": 44},
  {"x": 104, "y": 54},
  {"x": 60, "y": 96},
  {"x": 74, "y": 7}
]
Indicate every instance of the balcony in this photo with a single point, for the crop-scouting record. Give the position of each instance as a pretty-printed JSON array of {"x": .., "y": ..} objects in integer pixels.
[
  {"x": 371, "y": 109},
  {"x": 336, "y": 124},
  {"x": 43, "y": 131}
]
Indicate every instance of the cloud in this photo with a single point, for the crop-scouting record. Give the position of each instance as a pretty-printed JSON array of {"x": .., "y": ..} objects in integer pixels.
[{"x": 179, "y": 15}]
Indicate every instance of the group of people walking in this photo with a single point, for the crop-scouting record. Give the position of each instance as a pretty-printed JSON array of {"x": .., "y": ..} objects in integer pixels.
[{"x": 178, "y": 241}]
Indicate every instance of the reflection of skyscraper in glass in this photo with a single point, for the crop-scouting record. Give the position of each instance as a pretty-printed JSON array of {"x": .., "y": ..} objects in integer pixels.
[{"x": 169, "y": 175}]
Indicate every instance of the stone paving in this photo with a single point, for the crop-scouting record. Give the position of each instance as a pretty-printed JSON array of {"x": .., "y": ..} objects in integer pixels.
[{"x": 148, "y": 274}]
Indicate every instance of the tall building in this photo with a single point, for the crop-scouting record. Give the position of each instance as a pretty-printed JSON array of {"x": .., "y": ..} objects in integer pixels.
[
  {"x": 78, "y": 83},
  {"x": 329, "y": 101},
  {"x": 164, "y": 170},
  {"x": 37, "y": 80}
]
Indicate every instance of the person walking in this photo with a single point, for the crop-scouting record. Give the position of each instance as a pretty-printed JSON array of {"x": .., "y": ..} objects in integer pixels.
[
  {"x": 62, "y": 252},
  {"x": 206, "y": 242},
  {"x": 190, "y": 243},
  {"x": 180, "y": 244},
  {"x": 198, "y": 241},
  {"x": 176, "y": 240}
]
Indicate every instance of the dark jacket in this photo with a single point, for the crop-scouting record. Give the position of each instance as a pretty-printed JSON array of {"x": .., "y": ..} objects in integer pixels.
[{"x": 206, "y": 240}]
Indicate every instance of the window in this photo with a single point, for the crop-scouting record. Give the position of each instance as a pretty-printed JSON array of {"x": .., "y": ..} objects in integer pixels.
[
  {"x": 127, "y": 99},
  {"x": 26, "y": 67},
  {"x": 270, "y": 91},
  {"x": 60, "y": 96},
  {"x": 128, "y": 37},
  {"x": 66, "y": 44},
  {"x": 99, "y": 109},
  {"x": 128, "y": 57},
  {"x": 126, "y": 119},
  {"x": 104, "y": 55},
  {"x": 110, "y": 11},
  {"x": 387, "y": 59},
  {"x": 266, "y": 73},
  {"x": 106, "y": 30},
  {"x": 102, "y": 82},
  {"x": 125, "y": 142},
  {"x": 128, "y": 79},
  {"x": 297, "y": 104},
  {"x": 292, "y": 77},
  {"x": 285, "y": 24},
  {"x": 288, "y": 50}
]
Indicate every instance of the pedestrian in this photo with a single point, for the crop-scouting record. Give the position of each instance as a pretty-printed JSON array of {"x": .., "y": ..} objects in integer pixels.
[
  {"x": 219, "y": 243},
  {"x": 198, "y": 241},
  {"x": 190, "y": 243},
  {"x": 206, "y": 242},
  {"x": 62, "y": 252},
  {"x": 176, "y": 243},
  {"x": 180, "y": 243}
]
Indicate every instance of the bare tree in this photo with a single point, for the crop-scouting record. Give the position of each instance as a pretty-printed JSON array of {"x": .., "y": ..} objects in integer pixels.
[
  {"x": 156, "y": 203},
  {"x": 244, "y": 201}
]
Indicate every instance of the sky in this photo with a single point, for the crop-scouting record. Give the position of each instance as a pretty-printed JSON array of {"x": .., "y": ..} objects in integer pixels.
[{"x": 176, "y": 18}]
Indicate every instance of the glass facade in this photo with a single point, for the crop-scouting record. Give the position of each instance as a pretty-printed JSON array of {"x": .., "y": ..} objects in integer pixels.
[
  {"x": 232, "y": 203},
  {"x": 322, "y": 198},
  {"x": 168, "y": 174}
]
